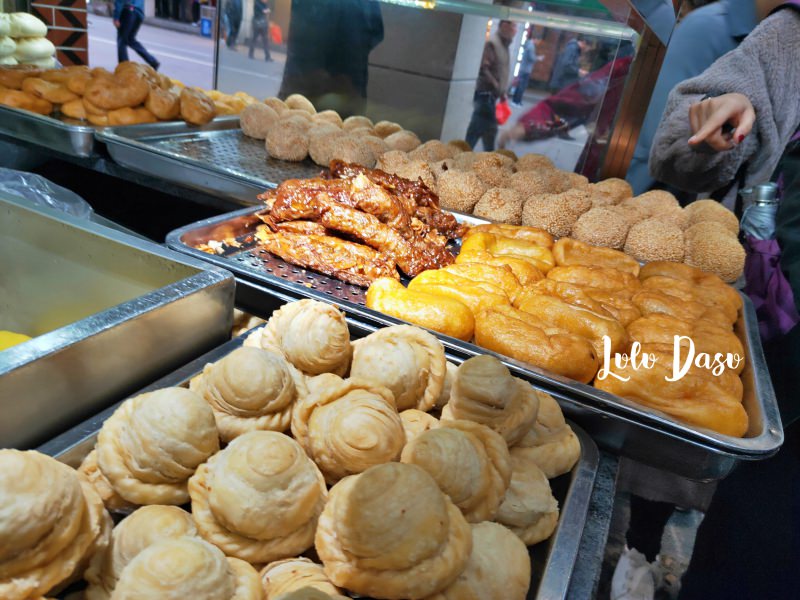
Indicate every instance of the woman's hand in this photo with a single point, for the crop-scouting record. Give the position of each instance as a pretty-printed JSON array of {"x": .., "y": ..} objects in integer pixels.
[{"x": 708, "y": 117}]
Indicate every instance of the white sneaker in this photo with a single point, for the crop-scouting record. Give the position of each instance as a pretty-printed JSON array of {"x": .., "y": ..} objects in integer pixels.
[{"x": 634, "y": 578}]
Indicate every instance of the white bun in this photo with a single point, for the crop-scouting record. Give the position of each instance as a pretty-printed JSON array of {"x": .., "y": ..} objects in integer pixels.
[
  {"x": 25, "y": 25},
  {"x": 42, "y": 63},
  {"x": 5, "y": 24},
  {"x": 7, "y": 46},
  {"x": 34, "y": 49},
  {"x": 8, "y": 60}
]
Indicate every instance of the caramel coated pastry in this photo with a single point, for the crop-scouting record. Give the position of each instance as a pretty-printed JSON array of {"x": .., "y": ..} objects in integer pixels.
[
  {"x": 143, "y": 528},
  {"x": 656, "y": 302},
  {"x": 259, "y": 498},
  {"x": 52, "y": 522},
  {"x": 417, "y": 422},
  {"x": 496, "y": 276},
  {"x": 710, "y": 284},
  {"x": 390, "y": 533},
  {"x": 685, "y": 290},
  {"x": 111, "y": 499},
  {"x": 11, "y": 77},
  {"x": 576, "y": 319},
  {"x": 533, "y": 235},
  {"x": 196, "y": 107},
  {"x": 294, "y": 574},
  {"x": 523, "y": 269},
  {"x": 153, "y": 443},
  {"x": 130, "y": 116},
  {"x": 74, "y": 109},
  {"x": 55, "y": 93},
  {"x": 25, "y": 101},
  {"x": 111, "y": 93},
  {"x": 164, "y": 104},
  {"x": 567, "y": 252},
  {"x": 484, "y": 391},
  {"x": 474, "y": 296},
  {"x": 438, "y": 313},
  {"x": 187, "y": 567},
  {"x": 312, "y": 335},
  {"x": 694, "y": 399},
  {"x": 529, "y": 509},
  {"x": 501, "y": 246},
  {"x": 407, "y": 360},
  {"x": 469, "y": 462},
  {"x": 602, "y": 278},
  {"x": 347, "y": 426},
  {"x": 249, "y": 390},
  {"x": 522, "y": 336}
]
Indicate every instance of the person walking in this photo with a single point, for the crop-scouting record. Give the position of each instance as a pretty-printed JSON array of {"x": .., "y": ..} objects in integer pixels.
[
  {"x": 260, "y": 27},
  {"x": 233, "y": 11},
  {"x": 128, "y": 17},
  {"x": 491, "y": 86},
  {"x": 529, "y": 59},
  {"x": 567, "y": 69}
]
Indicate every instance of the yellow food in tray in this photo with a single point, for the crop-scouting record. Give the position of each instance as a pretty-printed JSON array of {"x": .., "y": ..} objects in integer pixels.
[
  {"x": 567, "y": 251},
  {"x": 533, "y": 235},
  {"x": 500, "y": 246},
  {"x": 9, "y": 339},
  {"x": 525, "y": 272},
  {"x": 500, "y": 276}
]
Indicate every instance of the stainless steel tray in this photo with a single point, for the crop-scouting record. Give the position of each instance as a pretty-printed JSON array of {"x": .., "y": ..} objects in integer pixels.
[
  {"x": 216, "y": 158},
  {"x": 619, "y": 424},
  {"x": 552, "y": 563},
  {"x": 62, "y": 135}
]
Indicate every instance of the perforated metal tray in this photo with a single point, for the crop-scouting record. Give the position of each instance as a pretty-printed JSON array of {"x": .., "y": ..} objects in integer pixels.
[
  {"x": 618, "y": 424},
  {"x": 216, "y": 158},
  {"x": 61, "y": 135},
  {"x": 552, "y": 562}
]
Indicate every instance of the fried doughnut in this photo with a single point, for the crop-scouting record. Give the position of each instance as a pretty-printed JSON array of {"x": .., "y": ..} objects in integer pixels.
[
  {"x": 474, "y": 296},
  {"x": 522, "y": 336},
  {"x": 523, "y": 269},
  {"x": 654, "y": 301},
  {"x": 328, "y": 116},
  {"x": 276, "y": 104},
  {"x": 533, "y": 235},
  {"x": 500, "y": 204},
  {"x": 618, "y": 188},
  {"x": 256, "y": 120},
  {"x": 25, "y": 101},
  {"x": 601, "y": 278},
  {"x": 501, "y": 246},
  {"x": 459, "y": 190},
  {"x": 111, "y": 93},
  {"x": 356, "y": 121},
  {"x": 99, "y": 120},
  {"x": 390, "y": 161},
  {"x": 602, "y": 302},
  {"x": 91, "y": 109},
  {"x": 431, "y": 151},
  {"x": 568, "y": 252},
  {"x": 63, "y": 75},
  {"x": 459, "y": 146},
  {"x": 300, "y": 102},
  {"x": 417, "y": 169},
  {"x": 164, "y": 104},
  {"x": 351, "y": 149},
  {"x": 74, "y": 109},
  {"x": 653, "y": 239},
  {"x": 709, "y": 282},
  {"x": 287, "y": 142},
  {"x": 130, "y": 116},
  {"x": 701, "y": 211},
  {"x": 715, "y": 297},
  {"x": 718, "y": 253},
  {"x": 375, "y": 145},
  {"x": 322, "y": 140},
  {"x": 529, "y": 162},
  {"x": 439, "y": 313},
  {"x": 384, "y": 129},
  {"x": 196, "y": 107},
  {"x": 653, "y": 201},
  {"x": 556, "y": 213},
  {"x": 77, "y": 82},
  {"x": 530, "y": 182},
  {"x": 402, "y": 140},
  {"x": 12, "y": 76},
  {"x": 602, "y": 227},
  {"x": 498, "y": 277}
]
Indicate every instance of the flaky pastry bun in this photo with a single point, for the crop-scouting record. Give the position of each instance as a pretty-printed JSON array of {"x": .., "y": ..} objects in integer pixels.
[
  {"x": 259, "y": 498},
  {"x": 389, "y": 532},
  {"x": 111, "y": 499},
  {"x": 407, "y": 360},
  {"x": 152, "y": 444},
  {"x": 416, "y": 422},
  {"x": 296, "y": 574}
]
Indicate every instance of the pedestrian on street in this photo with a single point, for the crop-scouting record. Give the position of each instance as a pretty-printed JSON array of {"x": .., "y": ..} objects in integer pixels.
[
  {"x": 491, "y": 86},
  {"x": 233, "y": 10},
  {"x": 529, "y": 60},
  {"x": 128, "y": 17},
  {"x": 260, "y": 27},
  {"x": 567, "y": 68}
]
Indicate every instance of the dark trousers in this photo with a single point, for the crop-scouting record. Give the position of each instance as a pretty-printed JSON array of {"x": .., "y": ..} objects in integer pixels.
[
  {"x": 129, "y": 22},
  {"x": 260, "y": 30},
  {"x": 162, "y": 9},
  {"x": 483, "y": 124},
  {"x": 234, "y": 24},
  {"x": 522, "y": 85}
]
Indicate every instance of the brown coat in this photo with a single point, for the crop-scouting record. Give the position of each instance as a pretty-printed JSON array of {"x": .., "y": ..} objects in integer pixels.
[{"x": 493, "y": 76}]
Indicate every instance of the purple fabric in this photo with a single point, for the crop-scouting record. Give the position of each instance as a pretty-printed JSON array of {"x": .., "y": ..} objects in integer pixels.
[{"x": 768, "y": 288}]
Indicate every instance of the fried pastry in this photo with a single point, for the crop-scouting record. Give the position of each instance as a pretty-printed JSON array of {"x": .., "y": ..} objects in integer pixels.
[
  {"x": 55, "y": 93},
  {"x": 249, "y": 390},
  {"x": 650, "y": 301},
  {"x": 447, "y": 388},
  {"x": 571, "y": 293},
  {"x": 417, "y": 422},
  {"x": 11, "y": 77},
  {"x": 602, "y": 278},
  {"x": 405, "y": 359},
  {"x": 711, "y": 284},
  {"x": 499, "y": 567},
  {"x": 164, "y": 104},
  {"x": 522, "y": 336},
  {"x": 484, "y": 391},
  {"x": 259, "y": 498},
  {"x": 567, "y": 252},
  {"x": 711, "y": 296},
  {"x": 295, "y": 574},
  {"x": 524, "y": 270},
  {"x": 130, "y": 116},
  {"x": 312, "y": 335},
  {"x": 74, "y": 109},
  {"x": 391, "y": 533},
  {"x": 52, "y": 523},
  {"x": 187, "y": 567},
  {"x": 474, "y": 296},
  {"x": 196, "y": 107},
  {"x": 111, "y": 499},
  {"x": 534, "y": 235},
  {"x": 438, "y": 313},
  {"x": 25, "y": 101},
  {"x": 501, "y": 246},
  {"x": 153, "y": 443},
  {"x": 529, "y": 509},
  {"x": 469, "y": 462},
  {"x": 143, "y": 528},
  {"x": 551, "y": 443},
  {"x": 111, "y": 93},
  {"x": 347, "y": 426},
  {"x": 501, "y": 276}
]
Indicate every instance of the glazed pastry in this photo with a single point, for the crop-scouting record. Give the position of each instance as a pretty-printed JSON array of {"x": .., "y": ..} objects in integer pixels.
[
  {"x": 391, "y": 533},
  {"x": 474, "y": 295},
  {"x": 707, "y": 281},
  {"x": 52, "y": 522},
  {"x": 347, "y": 426},
  {"x": 650, "y": 301},
  {"x": 499, "y": 567},
  {"x": 294, "y": 574},
  {"x": 259, "y": 498},
  {"x": 601, "y": 278},
  {"x": 405, "y": 359},
  {"x": 568, "y": 252},
  {"x": 143, "y": 528},
  {"x": 533, "y": 235},
  {"x": 501, "y": 277},
  {"x": 529, "y": 508},
  {"x": 500, "y": 246},
  {"x": 187, "y": 567},
  {"x": 152, "y": 444},
  {"x": 249, "y": 390},
  {"x": 524, "y": 270},
  {"x": 602, "y": 302},
  {"x": 485, "y": 392},
  {"x": 111, "y": 499},
  {"x": 417, "y": 422},
  {"x": 438, "y": 313},
  {"x": 685, "y": 290},
  {"x": 312, "y": 335},
  {"x": 449, "y": 377},
  {"x": 469, "y": 462}
]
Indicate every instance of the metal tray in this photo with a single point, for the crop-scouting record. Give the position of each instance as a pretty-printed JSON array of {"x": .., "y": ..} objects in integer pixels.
[
  {"x": 59, "y": 134},
  {"x": 552, "y": 563},
  {"x": 216, "y": 158},
  {"x": 624, "y": 426}
]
